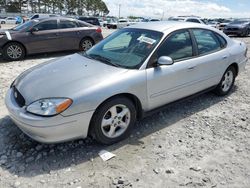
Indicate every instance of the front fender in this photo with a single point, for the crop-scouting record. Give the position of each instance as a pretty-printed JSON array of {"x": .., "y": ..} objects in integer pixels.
[{"x": 131, "y": 82}]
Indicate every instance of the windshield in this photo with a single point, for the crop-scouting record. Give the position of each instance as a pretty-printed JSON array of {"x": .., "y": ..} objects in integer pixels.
[
  {"x": 24, "y": 26},
  {"x": 240, "y": 21},
  {"x": 126, "y": 48},
  {"x": 176, "y": 19}
]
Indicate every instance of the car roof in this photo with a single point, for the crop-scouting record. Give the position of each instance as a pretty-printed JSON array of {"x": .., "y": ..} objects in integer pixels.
[
  {"x": 165, "y": 25},
  {"x": 54, "y": 18}
]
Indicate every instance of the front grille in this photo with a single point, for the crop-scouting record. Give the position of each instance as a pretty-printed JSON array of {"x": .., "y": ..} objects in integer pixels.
[{"x": 18, "y": 97}]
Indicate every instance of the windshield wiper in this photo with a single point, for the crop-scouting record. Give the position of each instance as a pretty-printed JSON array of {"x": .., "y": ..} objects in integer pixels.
[{"x": 102, "y": 59}]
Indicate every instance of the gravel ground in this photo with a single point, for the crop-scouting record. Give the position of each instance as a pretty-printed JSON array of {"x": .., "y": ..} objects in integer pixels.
[{"x": 202, "y": 142}]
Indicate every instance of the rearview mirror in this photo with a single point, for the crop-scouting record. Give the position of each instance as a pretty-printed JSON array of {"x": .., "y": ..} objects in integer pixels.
[
  {"x": 34, "y": 29},
  {"x": 165, "y": 60}
]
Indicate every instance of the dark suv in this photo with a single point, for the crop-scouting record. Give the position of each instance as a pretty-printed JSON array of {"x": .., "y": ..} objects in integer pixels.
[
  {"x": 90, "y": 20},
  {"x": 48, "y": 35}
]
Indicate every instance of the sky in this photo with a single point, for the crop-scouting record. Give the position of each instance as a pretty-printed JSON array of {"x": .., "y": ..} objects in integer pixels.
[{"x": 166, "y": 8}]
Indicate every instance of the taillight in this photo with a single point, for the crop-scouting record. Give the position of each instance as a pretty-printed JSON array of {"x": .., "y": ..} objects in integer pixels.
[{"x": 98, "y": 30}]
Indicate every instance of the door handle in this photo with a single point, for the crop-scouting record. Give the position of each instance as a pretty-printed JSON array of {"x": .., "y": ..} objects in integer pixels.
[
  {"x": 224, "y": 57},
  {"x": 191, "y": 68}
]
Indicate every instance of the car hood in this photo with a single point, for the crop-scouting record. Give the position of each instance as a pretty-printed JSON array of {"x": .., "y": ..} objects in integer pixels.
[
  {"x": 236, "y": 25},
  {"x": 64, "y": 77}
]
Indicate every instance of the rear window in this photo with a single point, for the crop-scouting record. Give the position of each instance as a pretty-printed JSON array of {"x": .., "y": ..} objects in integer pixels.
[
  {"x": 223, "y": 42},
  {"x": 93, "y": 21},
  {"x": 64, "y": 24},
  {"x": 207, "y": 41},
  {"x": 193, "y": 20}
]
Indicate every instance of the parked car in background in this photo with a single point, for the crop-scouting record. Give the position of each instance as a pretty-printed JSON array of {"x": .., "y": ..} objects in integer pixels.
[
  {"x": 187, "y": 19},
  {"x": 2, "y": 19},
  {"x": 48, "y": 35},
  {"x": 9, "y": 20},
  {"x": 119, "y": 24},
  {"x": 154, "y": 20},
  {"x": 90, "y": 20},
  {"x": 39, "y": 16},
  {"x": 131, "y": 72},
  {"x": 239, "y": 27},
  {"x": 224, "y": 23},
  {"x": 214, "y": 24}
]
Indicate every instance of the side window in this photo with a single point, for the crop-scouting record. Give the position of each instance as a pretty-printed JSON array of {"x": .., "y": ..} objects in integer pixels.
[
  {"x": 46, "y": 25},
  {"x": 223, "y": 42},
  {"x": 193, "y": 20},
  {"x": 64, "y": 24},
  {"x": 121, "y": 41},
  {"x": 206, "y": 40},
  {"x": 82, "y": 24},
  {"x": 35, "y": 16},
  {"x": 177, "y": 46}
]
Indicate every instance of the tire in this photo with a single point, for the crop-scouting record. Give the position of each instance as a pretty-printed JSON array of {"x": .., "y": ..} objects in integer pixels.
[
  {"x": 13, "y": 51},
  {"x": 3, "y": 22},
  {"x": 227, "y": 82},
  {"x": 107, "y": 128},
  {"x": 86, "y": 44},
  {"x": 114, "y": 27},
  {"x": 246, "y": 33}
]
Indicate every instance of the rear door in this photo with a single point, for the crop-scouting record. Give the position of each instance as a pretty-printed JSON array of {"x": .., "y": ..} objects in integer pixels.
[
  {"x": 70, "y": 33},
  {"x": 212, "y": 57},
  {"x": 44, "y": 37}
]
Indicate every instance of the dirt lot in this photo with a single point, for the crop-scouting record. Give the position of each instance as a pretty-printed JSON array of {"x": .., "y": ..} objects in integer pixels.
[{"x": 202, "y": 142}]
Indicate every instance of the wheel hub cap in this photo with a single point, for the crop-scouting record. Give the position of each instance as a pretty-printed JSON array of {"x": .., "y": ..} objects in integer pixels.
[
  {"x": 86, "y": 45},
  {"x": 14, "y": 51},
  {"x": 115, "y": 121},
  {"x": 228, "y": 80}
]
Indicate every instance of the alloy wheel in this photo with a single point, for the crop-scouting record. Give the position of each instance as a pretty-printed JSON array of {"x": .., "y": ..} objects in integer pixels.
[
  {"x": 86, "y": 44},
  {"x": 116, "y": 121},
  {"x": 14, "y": 51},
  {"x": 227, "y": 81}
]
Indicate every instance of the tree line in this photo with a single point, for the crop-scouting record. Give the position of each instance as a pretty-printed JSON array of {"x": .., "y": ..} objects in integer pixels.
[{"x": 70, "y": 7}]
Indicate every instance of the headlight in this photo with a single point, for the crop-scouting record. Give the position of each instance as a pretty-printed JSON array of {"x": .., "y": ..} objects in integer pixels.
[{"x": 49, "y": 107}]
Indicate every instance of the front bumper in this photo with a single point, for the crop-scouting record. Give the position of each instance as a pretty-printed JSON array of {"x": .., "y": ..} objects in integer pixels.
[
  {"x": 48, "y": 129},
  {"x": 233, "y": 31}
]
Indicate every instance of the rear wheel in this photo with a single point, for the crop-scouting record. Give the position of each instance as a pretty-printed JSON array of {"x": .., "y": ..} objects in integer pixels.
[
  {"x": 113, "y": 121},
  {"x": 13, "y": 51},
  {"x": 86, "y": 44},
  {"x": 226, "y": 82}
]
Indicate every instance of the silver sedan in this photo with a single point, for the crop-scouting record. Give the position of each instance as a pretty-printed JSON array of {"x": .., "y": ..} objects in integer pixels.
[{"x": 103, "y": 91}]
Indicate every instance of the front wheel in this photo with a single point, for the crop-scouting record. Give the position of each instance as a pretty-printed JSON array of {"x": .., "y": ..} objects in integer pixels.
[
  {"x": 227, "y": 82},
  {"x": 113, "y": 121},
  {"x": 86, "y": 44},
  {"x": 13, "y": 51}
]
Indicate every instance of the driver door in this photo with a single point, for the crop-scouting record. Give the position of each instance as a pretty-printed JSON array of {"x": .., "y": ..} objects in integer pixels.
[
  {"x": 44, "y": 37},
  {"x": 168, "y": 83}
]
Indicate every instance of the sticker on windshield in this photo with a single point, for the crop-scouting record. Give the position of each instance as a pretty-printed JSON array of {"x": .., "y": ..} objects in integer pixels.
[{"x": 146, "y": 40}]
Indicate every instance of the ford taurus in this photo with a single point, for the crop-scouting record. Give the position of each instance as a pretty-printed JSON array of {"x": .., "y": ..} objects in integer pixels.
[{"x": 135, "y": 70}]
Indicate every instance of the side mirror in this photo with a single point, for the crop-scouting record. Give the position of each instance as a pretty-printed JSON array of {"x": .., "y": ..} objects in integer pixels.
[
  {"x": 165, "y": 60},
  {"x": 32, "y": 30}
]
